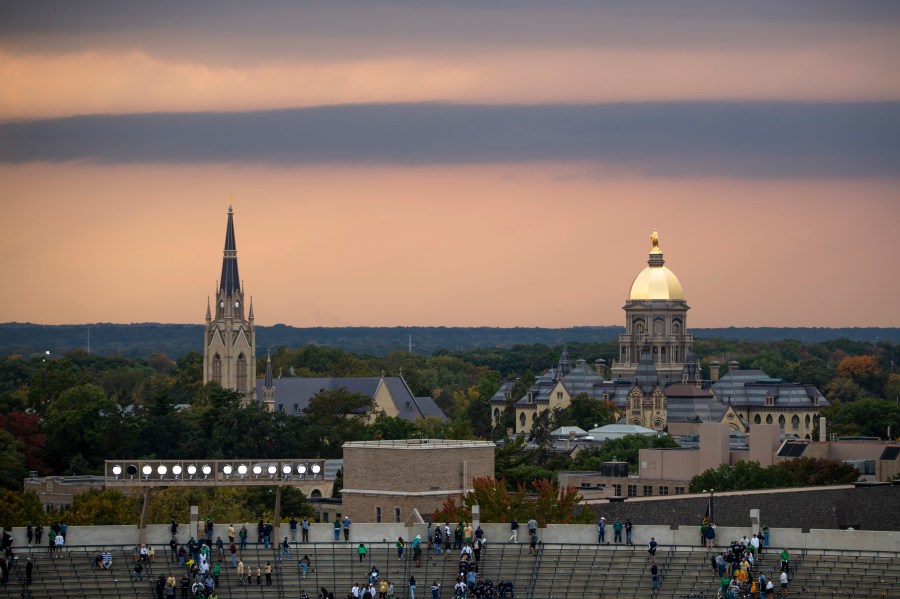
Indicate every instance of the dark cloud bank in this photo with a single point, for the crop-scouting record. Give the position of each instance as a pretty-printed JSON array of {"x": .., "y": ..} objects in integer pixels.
[{"x": 705, "y": 139}]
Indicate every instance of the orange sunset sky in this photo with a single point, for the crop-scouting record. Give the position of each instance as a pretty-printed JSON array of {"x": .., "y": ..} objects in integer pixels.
[{"x": 458, "y": 164}]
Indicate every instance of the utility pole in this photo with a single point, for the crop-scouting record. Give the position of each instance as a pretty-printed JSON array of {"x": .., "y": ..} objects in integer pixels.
[{"x": 410, "y": 344}]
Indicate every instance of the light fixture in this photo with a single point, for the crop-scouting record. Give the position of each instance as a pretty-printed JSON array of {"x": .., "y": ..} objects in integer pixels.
[
  {"x": 176, "y": 470},
  {"x": 316, "y": 468},
  {"x": 161, "y": 470},
  {"x": 131, "y": 470},
  {"x": 206, "y": 470},
  {"x": 227, "y": 469},
  {"x": 257, "y": 470},
  {"x": 286, "y": 469},
  {"x": 301, "y": 469},
  {"x": 242, "y": 470},
  {"x": 147, "y": 469},
  {"x": 117, "y": 470},
  {"x": 272, "y": 469},
  {"x": 192, "y": 470}
]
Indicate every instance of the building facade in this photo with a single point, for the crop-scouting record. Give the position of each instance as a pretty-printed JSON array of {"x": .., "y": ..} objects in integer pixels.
[
  {"x": 229, "y": 349},
  {"x": 384, "y": 481}
]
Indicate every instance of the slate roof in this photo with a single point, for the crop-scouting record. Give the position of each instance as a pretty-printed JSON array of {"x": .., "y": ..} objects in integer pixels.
[
  {"x": 687, "y": 403},
  {"x": 230, "y": 280},
  {"x": 293, "y": 394},
  {"x": 863, "y": 508},
  {"x": 646, "y": 376},
  {"x": 751, "y": 387}
]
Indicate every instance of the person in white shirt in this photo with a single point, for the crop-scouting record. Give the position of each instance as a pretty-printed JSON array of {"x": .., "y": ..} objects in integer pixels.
[{"x": 784, "y": 583}]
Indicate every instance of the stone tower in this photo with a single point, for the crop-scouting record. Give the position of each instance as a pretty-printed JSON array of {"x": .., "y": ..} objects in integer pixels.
[
  {"x": 655, "y": 321},
  {"x": 229, "y": 351}
]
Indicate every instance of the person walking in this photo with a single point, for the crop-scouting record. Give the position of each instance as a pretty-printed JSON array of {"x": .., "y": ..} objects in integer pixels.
[
  {"x": 784, "y": 583},
  {"x": 268, "y": 574},
  {"x": 29, "y": 572},
  {"x": 435, "y": 589},
  {"x": 654, "y": 577},
  {"x": 412, "y": 587},
  {"x": 285, "y": 549},
  {"x": 400, "y": 544},
  {"x": 361, "y": 551},
  {"x": 532, "y": 543},
  {"x": 514, "y": 531}
]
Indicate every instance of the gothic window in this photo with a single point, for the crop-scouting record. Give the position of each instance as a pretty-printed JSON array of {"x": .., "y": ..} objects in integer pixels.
[
  {"x": 638, "y": 328},
  {"x": 217, "y": 369},
  {"x": 781, "y": 422},
  {"x": 795, "y": 423},
  {"x": 522, "y": 419},
  {"x": 757, "y": 419},
  {"x": 658, "y": 329},
  {"x": 241, "y": 374},
  {"x": 657, "y": 402},
  {"x": 496, "y": 415},
  {"x": 769, "y": 419},
  {"x": 806, "y": 421}
]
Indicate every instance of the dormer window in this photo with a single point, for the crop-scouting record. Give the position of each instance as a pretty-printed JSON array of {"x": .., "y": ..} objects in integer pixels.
[{"x": 770, "y": 400}]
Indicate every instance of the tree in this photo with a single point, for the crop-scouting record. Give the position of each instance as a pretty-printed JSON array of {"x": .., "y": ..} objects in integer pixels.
[
  {"x": 17, "y": 508},
  {"x": 26, "y": 428},
  {"x": 12, "y": 462},
  {"x": 743, "y": 475},
  {"x": 586, "y": 412},
  {"x": 82, "y": 421},
  {"x": 625, "y": 449},
  {"x": 819, "y": 471},
  {"x": 99, "y": 508},
  {"x": 334, "y": 417}
]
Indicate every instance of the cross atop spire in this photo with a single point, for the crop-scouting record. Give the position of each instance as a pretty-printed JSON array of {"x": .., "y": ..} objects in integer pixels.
[{"x": 230, "y": 281}]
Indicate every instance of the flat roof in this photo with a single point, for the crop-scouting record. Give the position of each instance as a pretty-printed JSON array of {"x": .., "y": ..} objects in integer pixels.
[{"x": 419, "y": 444}]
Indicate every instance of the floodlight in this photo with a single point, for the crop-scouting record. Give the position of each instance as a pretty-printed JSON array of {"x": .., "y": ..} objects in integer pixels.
[
  {"x": 316, "y": 468},
  {"x": 301, "y": 469},
  {"x": 206, "y": 469},
  {"x": 131, "y": 470},
  {"x": 117, "y": 470},
  {"x": 192, "y": 470},
  {"x": 161, "y": 469},
  {"x": 147, "y": 469},
  {"x": 176, "y": 469},
  {"x": 227, "y": 469},
  {"x": 286, "y": 469},
  {"x": 257, "y": 469}
]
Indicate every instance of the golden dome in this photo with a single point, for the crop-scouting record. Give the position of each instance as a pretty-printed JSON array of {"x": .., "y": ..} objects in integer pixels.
[{"x": 656, "y": 282}]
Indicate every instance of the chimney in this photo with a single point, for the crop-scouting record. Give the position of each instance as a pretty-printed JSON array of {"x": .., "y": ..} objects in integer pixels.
[
  {"x": 733, "y": 365},
  {"x": 600, "y": 367},
  {"x": 823, "y": 436},
  {"x": 714, "y": 371}
]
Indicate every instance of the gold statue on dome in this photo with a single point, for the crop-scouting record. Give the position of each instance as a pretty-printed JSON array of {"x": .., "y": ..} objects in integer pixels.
[{"x": 654, "y": 239}]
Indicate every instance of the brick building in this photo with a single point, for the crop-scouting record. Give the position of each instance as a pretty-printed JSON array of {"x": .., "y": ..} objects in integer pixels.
[{"x": 385, "y": 480}]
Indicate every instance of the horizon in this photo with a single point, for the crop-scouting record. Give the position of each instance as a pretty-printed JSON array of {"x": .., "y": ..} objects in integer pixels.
[{"x": 465, "y": 165}]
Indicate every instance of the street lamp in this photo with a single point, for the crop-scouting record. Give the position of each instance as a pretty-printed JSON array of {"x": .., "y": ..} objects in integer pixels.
[{"x": 711, "y": 504}]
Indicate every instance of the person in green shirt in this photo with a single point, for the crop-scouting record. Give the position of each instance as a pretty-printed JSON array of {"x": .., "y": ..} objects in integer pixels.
[
  {"x": 784, "y": 560},
  {"x": 216, "y": 571},
  {"x": 337, "y": 529},
  {"x": 617, "y": 529},
  {"x": 361, "y": 550}
]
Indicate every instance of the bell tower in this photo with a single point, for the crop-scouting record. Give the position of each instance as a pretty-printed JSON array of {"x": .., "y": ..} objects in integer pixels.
[{"x": 229, "y": 350}]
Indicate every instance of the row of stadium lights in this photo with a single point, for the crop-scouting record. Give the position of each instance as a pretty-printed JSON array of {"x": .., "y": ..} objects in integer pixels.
[{"x": 242, "y": 471}]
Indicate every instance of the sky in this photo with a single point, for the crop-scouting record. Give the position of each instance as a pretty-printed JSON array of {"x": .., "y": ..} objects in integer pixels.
[{"x": 461, "y": 163}]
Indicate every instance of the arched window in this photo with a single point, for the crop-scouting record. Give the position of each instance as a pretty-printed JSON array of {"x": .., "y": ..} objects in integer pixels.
[
  {"x": 217, "y": 369},
  {"x": 638, "y": 328},
  {"x": 781, "y": 422},
  {"x": 315, "y": 493},
  {"x": 497, "y": 415},
  {"x": 795, "y": 422},
  {"x": 806, "y": 421},
  {"x": 658, "y": 328},
  {"x": 241, "y": 374},
  {"x": 769, "y": 419},
  {"x": 757, "y": 419},
  {"x": 676, "y": 327},
  {"x": 522, "y": 419}
]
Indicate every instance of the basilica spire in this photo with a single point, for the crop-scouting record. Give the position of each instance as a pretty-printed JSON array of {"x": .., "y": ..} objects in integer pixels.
[{"x": 230, "y": 282}]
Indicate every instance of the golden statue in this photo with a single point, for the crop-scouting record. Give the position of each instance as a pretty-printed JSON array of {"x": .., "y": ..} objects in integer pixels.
[{"x": 654, "y": 239}]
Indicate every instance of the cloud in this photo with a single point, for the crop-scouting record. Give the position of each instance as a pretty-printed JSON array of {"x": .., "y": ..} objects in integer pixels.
[{"x": 661, "y": 139}]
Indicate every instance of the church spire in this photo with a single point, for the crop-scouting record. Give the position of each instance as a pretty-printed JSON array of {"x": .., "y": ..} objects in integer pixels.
[
  {"x": 269, "y": 382},
  {"x": 230, "y": 282}
]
